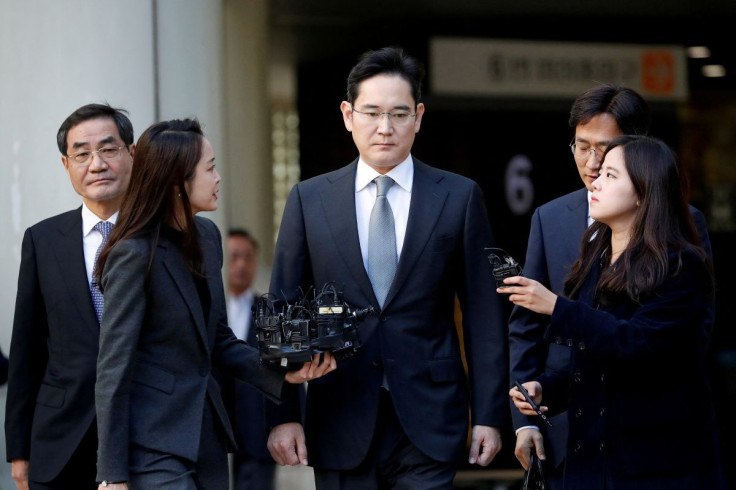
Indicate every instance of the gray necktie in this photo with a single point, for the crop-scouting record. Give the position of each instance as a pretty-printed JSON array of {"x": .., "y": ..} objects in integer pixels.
[
  {"x": 104, "y": 228},
  {"x": 382, "y": 257}
]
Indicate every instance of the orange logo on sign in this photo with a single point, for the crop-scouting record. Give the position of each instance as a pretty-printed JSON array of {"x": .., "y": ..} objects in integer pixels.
[{"x": 658, "y": 72}]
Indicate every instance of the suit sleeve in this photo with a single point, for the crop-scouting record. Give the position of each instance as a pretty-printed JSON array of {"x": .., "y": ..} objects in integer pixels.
[
  {"x": 123, "y": 280},
  {"x": 233, "y": 355},
  {"x": 484, "y": 328},
  {"x": 28, "y": 354},
  {"x": 527, "y": 346},
  {"x": 291, "y": 271},
  {"x": 669, "y": 322}
]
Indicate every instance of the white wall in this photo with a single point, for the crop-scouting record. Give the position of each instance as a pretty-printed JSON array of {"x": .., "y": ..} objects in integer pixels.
[{"x": 55, "y": 57}]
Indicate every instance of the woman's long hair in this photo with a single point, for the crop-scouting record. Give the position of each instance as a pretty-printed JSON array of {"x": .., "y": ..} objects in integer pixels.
[
  {"x": 662, "y": 221},
  {"x": 165, "y": 159}
]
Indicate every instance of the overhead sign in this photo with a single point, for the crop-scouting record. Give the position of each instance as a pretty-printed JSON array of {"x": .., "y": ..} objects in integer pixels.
[{"x": 499, "y": 67}]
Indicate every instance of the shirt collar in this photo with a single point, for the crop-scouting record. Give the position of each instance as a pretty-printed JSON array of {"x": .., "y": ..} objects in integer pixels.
[
  {"x": 403, "y": 174},
  {"x": 90, "y": 219},
  {"x": 248, "y": 294}
]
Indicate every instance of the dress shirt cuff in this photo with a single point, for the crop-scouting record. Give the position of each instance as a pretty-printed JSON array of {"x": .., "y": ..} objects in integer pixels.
[{"x": 525, "y": 427}]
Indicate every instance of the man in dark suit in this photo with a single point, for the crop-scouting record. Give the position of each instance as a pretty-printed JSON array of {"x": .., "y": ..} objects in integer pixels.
[
  {"x": 50, "y": 428},
  {"x": 396, "y": 414},
  {"x": 597, "y": 116},
  {"x": 252, "y": 468}
]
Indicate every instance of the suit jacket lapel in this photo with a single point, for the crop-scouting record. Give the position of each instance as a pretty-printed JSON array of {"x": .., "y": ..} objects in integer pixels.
[
  {"x": 427, "y": 200},
  {"x": 69, "y": 250},
  {"x": 212, "y": 271},
  {"x": 174, "y": 262},
  {"x": 338, "y": 203},
  {"x": 578, "y": 219}
]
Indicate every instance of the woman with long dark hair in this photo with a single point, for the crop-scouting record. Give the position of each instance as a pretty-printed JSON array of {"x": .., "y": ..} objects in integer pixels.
[
  {"x": 160, "y": 417},
  {"x": 637, "y": 316}
]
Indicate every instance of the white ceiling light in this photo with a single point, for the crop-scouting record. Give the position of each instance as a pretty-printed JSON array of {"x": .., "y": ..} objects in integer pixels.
[
  {"x": 713, "y": 71},
  {"x": 698, "y": 52}
]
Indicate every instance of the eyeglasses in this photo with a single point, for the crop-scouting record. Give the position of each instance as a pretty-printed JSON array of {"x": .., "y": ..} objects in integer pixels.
[
  {"x": 585, "y": 153},
  {"x": 396, "y": 118},
  {"x": 84, "y": 157}
]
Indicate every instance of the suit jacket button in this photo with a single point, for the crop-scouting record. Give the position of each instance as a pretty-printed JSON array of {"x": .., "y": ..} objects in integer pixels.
[
  {"x": 602, "y": 412},
  {"x": 579, "y": 413},
  {"x": 581, "y": 346},
  {"x": 577, "y": 448},
  {"x": 578, "y": 376},
  {"x": 602, "y": 447}
]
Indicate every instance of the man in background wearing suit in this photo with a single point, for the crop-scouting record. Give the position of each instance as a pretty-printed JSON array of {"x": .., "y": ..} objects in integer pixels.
[
  {"x": 50, "y": 427},
  {"x": 405, "y": 238},
  {"x": 253, "y": 468},
  {"x": 597, "y": 116}
]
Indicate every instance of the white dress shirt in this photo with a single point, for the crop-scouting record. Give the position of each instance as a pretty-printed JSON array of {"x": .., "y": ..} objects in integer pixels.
[
  {"x": 399, "y": 197},
  {"x": 91, "y": 239},
  {"x": 239, "y": 313},
  {"x": 590, "y": 220}
]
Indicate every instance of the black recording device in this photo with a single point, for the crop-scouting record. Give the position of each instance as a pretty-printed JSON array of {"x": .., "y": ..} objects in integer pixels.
[
  {"x": 503, "y": 265},
  {"x": 529, "y": 400},
  {"x": 290, "y": 337}
]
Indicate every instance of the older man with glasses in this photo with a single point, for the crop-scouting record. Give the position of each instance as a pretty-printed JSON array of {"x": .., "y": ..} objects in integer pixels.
[{"x": 50, "y": 426}]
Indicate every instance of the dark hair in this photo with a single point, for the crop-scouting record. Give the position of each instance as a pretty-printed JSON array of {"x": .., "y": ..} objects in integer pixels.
[
  {"x": 95, "y": 111},
  {"x": 165, "y": 159},
  {"x": 662, "y": 221},
  {"x": 386, "y": 61},
  {"x": 627, "y": 107},
  {"x": 243, "y": 233}
]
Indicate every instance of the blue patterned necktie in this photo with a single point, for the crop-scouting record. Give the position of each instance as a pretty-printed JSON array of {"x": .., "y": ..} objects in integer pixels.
[
  {"x": 382, "y": 257},
  {"x": 104, "y": 228}
]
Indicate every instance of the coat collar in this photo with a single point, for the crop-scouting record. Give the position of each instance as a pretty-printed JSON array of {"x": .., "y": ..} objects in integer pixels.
[
  {"x": 69, "y": 250},
  {"x": 338, "y": 204},
  {"x": 427, "y": 200},
  {"x": 175, "y": 264},
  {"x": 577, "y": 209}
]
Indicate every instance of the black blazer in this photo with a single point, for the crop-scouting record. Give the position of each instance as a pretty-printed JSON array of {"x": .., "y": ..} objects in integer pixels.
[
  {"x": 637, "y": 393},
  {"x": 555, "y": 237},
  {"x": 413, "y": 340},
  {"x": 53, "y": 351},
  {"x": 157, "y": 351}
]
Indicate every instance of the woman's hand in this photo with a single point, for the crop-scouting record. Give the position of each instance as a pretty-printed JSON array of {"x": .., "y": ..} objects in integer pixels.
[
  {"x": 534, "y": 388},
  {"x": 320, "y": 365},
  {"x": 530, "y": 294}
]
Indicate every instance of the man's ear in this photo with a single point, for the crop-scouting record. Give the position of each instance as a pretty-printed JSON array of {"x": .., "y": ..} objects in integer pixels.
[
  {"x": 347, "y": 114},
  {"x": 418, "y": 119}
]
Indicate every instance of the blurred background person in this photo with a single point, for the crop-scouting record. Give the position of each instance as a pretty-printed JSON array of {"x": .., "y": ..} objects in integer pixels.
[{"x": 252, "y": 467}]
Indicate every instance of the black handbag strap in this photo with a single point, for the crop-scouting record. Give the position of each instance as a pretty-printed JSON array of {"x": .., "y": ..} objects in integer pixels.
[{"x": 534, "y": 477}]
